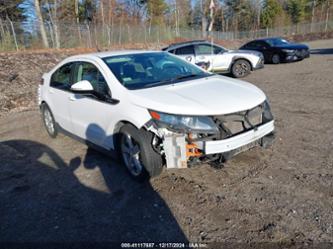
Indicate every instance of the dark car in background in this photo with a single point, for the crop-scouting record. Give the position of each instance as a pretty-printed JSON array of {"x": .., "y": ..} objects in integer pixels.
[{"x": 276, "y": 50}]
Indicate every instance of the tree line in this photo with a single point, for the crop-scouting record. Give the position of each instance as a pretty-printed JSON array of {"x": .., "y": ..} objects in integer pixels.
[{"x": 204, "y": 15}]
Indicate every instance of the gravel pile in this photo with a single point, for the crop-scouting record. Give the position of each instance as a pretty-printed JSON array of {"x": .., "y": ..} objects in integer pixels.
[{"x": 20, "y": 74}]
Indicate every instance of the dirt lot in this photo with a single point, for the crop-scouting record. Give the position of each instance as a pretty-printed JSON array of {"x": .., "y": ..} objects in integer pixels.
[{"x": 59, "y": 190}]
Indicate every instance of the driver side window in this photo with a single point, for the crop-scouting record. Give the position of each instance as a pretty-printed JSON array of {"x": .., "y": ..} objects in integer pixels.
[
  {"x": 262, "y": 45},
  {"x": 88, "y": 71},
  {"x": 218, "y": 50},
  {"x": 204, "y": 49}
]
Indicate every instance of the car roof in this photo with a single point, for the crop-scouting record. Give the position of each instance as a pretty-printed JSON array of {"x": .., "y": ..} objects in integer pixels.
[
  {"x": 265, "y": 39},
  {"x": 180, "y": 44},
  {"x": 112, "y": 53}
]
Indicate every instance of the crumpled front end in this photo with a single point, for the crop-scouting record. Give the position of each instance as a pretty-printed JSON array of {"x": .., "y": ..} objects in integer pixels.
[{"x": 234, "y": 133}]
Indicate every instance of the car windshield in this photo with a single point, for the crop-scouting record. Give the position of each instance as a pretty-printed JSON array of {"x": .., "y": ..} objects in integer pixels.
[
  {"x": 276, "y": 42},
  {"x": 142, "y": 70}
]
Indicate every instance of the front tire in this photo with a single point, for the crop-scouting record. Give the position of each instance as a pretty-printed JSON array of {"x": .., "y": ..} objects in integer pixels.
[
  {"x": 276, "y": 59},
  {"x": 49, "y": 121},
  {"x": 240, "y": 68},
  {"x": 137, "y": 153}
]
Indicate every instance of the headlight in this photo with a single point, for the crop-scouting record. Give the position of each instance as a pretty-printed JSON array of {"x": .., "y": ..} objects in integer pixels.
[
  {"x": 267, "y": 114},
  {"x": 188, "y": 123},
  {"x": 289, "y": 51}
]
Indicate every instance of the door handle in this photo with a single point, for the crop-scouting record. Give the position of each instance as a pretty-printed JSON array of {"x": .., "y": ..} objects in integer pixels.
[
  {"x": 72, "y": 98},
  {"x": 51, "y": 91}
]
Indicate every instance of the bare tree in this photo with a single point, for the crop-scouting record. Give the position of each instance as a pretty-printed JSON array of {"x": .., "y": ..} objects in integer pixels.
[
  {"x": 211, "y": 15},
  {"x": 78, "y": 19},
  {"x": 203, "y": 19},
  {"x": 327, "y": 13},
  {"x": 54, "y": 21},
  {"x": 55, "y": 24},
  {"x": 41, "y": 24}
]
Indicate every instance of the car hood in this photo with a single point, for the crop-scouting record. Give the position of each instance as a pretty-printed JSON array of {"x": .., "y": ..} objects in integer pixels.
[
  {"x": 245, "y": 52},
  {"x": 214, "y": 95},
  {"x": 293, "y": 46}
]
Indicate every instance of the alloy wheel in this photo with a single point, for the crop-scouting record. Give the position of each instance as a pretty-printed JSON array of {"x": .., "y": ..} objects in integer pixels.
[
  {"x": 130, "y": 151},
  {"x": 48, "y": 120},
  {"x": 241, "y": 69}
]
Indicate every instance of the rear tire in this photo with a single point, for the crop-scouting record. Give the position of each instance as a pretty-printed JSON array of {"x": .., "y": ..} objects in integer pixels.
[
  {"x": 137, "y": 153},
  {"x": 49, "y": 121},
  {"x": 240, "y": 68},
  {"x": 276, "y": 59}
]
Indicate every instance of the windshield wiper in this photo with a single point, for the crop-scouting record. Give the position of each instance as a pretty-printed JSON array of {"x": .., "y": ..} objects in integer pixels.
[
  {"x": 163, "y": 82},
  {"x": 186, "y": 76}
]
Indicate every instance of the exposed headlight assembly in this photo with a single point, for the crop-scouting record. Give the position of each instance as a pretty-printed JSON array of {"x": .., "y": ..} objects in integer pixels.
[
  {"x": 267, "y": 114},
  {"x": 197, "y": 124}
]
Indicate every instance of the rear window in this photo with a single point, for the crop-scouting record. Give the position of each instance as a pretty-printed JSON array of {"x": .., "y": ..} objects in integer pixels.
[{"x": 187, "y": 50}]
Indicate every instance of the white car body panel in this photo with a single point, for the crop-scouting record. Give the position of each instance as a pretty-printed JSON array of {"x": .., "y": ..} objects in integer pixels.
[
  {"x": 215, "y": 95},
  {"x": 229, "y": 144},
  {"x": 222, "y": 62}
]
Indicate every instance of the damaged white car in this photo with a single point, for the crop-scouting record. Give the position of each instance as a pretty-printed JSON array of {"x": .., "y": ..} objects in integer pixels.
[{"x": 153, "y": 109}]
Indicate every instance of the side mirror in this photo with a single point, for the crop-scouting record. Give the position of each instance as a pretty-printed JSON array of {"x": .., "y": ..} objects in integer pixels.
[{"x": 83, "y": 86}]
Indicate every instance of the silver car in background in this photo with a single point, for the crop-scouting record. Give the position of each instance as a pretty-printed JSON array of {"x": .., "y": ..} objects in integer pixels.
[{"x": 217, "y": 58}]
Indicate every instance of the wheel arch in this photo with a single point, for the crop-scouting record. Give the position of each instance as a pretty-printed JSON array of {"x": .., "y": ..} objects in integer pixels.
[
  {"x": 121, "y": 123},
  {"x": 237, "y": 58},
  {"x": 117, "y": 129},
  {"x": 43, "y": 102}
]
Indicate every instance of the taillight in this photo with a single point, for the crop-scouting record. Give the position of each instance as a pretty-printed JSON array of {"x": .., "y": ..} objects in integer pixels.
[{"x": 41, "y": 82}]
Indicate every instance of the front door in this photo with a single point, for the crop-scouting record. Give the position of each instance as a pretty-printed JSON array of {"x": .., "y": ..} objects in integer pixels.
[
  {"x": 212, "y": 54},
  {"x": 91, "y": 113}
]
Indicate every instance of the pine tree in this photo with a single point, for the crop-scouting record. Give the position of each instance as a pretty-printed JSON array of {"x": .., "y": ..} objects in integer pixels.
[
  {"x": 271, "y": 10},
  {"x": 11, "y": 10},
  {"x": 156, "y": 10},
  {"x": 296, "y": 10}
]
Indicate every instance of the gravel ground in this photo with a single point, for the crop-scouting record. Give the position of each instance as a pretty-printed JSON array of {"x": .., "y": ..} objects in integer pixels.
[{"x": 59, "y": 190}]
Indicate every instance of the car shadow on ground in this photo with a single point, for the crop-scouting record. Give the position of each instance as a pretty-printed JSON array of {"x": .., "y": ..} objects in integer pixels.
[
  {"x": 42, "y": 199},
  {"x": 322, "y": 51}
]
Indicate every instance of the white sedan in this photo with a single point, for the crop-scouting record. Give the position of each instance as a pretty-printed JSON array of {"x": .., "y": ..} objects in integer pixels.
[{"x": 153, "y": 109}]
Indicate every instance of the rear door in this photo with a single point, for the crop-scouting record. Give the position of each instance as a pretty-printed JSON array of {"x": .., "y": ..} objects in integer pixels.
[
  {"x": 59, "y": 94},
  {"x": 91, "y": 113}
]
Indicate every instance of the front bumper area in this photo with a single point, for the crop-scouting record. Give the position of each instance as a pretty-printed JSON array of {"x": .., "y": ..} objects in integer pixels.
[
  {"x": 177, "y": 151},
  {"x": 260, "y": 64},
  {"x": 237, "y": 132},
  {"x": 297, "y": 55},
  {"x": 238, "y": 141}
]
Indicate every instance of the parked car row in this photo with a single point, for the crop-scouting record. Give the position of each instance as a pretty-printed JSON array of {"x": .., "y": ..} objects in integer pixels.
[
  {"x": 239, "y": 63},
  {"x": 157, "y": 110}
]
